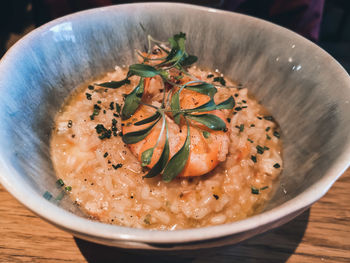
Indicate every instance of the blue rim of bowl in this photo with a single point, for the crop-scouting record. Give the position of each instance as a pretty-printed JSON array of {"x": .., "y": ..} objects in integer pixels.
[{"x": 109, "y": 233}]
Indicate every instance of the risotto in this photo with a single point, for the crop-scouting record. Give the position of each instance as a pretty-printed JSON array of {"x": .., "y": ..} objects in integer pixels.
[{"x": 166, "y": 145}]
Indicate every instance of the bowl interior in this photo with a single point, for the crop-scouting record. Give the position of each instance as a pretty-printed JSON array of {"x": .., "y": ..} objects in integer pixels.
[{"x": 304, "y": 88}]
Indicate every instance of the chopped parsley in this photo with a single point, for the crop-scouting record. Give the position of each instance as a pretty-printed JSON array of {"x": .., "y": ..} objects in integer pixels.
[
  {"x": 88, "y": 96},
  {"x": 251, "y": 141},
  {"x": 253, "y": 157},
  {"x": 267, "y": 129},
  {"x": 103, "y": 132},
  {"x": 255, "y": 191},
  {"x": 210, "y": 76},
  {"x": 238, "y": 108},
  {"x": 68, "y": 188},
  {"x": 105, "y": 155},
  {"x": 59, "y": 183},
  {"x": 216, "y": 196},
  {"x": 119, "y": 165},
  {"x": 47, "y": 195},
  {"x": 206, "y": 134},
  {"x": 111, "y": 106},
  {"x": 90, "y": 87},
  {"x": 277, "y": 165},
  {"x": 276, "y": 134},
  {"x": 260, "y": 149},
  {"x": 221, "y": 80}
]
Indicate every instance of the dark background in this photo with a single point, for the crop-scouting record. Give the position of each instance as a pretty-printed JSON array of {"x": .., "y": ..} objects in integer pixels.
[{"x": 18, "y": 17}]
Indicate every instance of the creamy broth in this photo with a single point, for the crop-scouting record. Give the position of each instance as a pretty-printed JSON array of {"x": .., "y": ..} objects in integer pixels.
[{"x": 107, "y": 178}]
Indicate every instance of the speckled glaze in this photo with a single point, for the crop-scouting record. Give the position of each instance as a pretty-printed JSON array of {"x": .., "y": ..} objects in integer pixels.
[{"x": 306, "y": 90}]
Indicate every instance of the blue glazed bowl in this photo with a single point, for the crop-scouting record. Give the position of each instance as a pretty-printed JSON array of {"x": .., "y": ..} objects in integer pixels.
[{"x": 306, "y": 90}]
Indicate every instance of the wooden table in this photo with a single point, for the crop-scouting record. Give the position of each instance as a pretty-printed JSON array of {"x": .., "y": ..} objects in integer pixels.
[{"x": 321, "y": 234}]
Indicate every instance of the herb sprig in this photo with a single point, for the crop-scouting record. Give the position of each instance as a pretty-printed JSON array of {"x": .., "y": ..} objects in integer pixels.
[{"x": 176, "y": 58}]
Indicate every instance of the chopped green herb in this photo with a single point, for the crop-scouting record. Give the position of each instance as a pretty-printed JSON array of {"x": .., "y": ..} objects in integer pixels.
[
  {"x": 90, "y": 87},
  {"x": 241, "y": 128},
  {"x": 116, "y": 115},
  {"x": 260, "y": 149},
  {"x": 60, "y": 196},
  {"x": 216, "y": 196},
  {"x": 236, "y": 95},
  {"x": 228, "y": 120},
  {"x": 244, "y": 101},
  {"x": 255, "y": 191},
  {"x": 259, "y": 117},
  {"x": 252, "y": 125},
  {"x": 221, "y": 80},
  {"x": 118, "y": 107},
  {"x": 268, "y": 118},
  {"x": 268, "y": 137},
  {"x": 253, "y": 157},
  {"x": 105, "y": 155},
  {"x": 47, "y": 195},
  {"x": 59, "y": 183},
  {"x": 244, "y": 107},
  {"x": 264, "y": 188},
  {"x": 267, "y": 129},
  {"x": 277, "y": 165},
  {"x": 238, "y": 108},
  {"x": 68, "y": 188},
  {"x": 206, "y": 134},
  {"x": 266, "y": 148},
  {"x": 276, "y": 134},
  {"x": 119, "y": 165},
  {"x": 251, "y": 141},
  {"x": 88, "y": 96},
  {"x": 111, "y": 106},
  {"x": 210, "y": 76},
  {"x": 104, "y": 133}
]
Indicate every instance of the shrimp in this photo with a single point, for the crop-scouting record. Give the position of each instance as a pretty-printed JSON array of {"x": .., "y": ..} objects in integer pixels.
[{"x": 207, "y": 147}]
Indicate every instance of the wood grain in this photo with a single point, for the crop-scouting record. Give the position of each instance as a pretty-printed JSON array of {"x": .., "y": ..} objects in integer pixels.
[{"x": 321, "y": 234}]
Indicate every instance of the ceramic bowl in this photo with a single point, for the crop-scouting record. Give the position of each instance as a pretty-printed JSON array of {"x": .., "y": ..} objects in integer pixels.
[{"x": 306, "y": 90}]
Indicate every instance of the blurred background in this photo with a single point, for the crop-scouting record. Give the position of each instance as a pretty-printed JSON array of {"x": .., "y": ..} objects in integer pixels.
[{"x": 326, "y": 22}]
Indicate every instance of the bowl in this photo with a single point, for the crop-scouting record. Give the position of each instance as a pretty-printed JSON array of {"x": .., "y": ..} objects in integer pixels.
[{"x": 303, "y": 87}]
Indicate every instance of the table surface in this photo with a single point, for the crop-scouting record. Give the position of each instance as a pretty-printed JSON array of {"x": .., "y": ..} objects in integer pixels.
[{"x": 320, "y": 234}]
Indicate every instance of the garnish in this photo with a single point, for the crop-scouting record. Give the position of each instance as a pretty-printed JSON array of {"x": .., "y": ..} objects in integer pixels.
[
  {"x": 178, "y": 60},
  {"x": 277, "y": 165}
]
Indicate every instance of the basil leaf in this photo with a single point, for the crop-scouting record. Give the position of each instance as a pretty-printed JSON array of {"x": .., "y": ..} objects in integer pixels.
[
  {"x": 178, "y": 161},
  {"x": 213, "y": 122},
  {"x": 142, "y": 70},
  {"x": 148, "y": 120},
  {"x": 146, "y": 157},
  {"x": 175, "y": 106},
  {"x": 159, "y": 166},
  {"x": 209, "y": 106},
  {"x": 132, "y": 100},
  {"x": 114, "y": 84},
  {"x": 204, "y": 88},
  {"x": 188, "y": 60},
  {"x": 227, "y": 104},
  {"x": 136, "y": 136}
]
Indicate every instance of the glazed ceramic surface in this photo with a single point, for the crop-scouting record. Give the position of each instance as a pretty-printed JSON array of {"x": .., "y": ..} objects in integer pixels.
[{"x": 306, "y": 90}]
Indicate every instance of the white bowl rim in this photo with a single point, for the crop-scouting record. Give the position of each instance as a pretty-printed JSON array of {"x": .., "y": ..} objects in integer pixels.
[{"x": 85, "y": 227}]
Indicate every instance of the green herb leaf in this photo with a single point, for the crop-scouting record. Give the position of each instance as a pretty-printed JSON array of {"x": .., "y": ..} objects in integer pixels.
[
  {"x": 255, "y": 191},
  {"x": 142, "y": 70},
  {"x": 209, "y": 106},
  {"x": 213, "y": 122},
  {"x": 136, "y": 136},
  {"x": 149, "y": 119},
  {"x": 203, "y": 88},
  {"x": 114, "y": 84},
  {"x": 161, "y": 163},
  {"x": 177, "y": 52},
  {"x": 178, "y": 161},
  {"x": 132, "y": 100},
  {"x": 227, "y": 104},
  {"x": 188, "y": 60},
  {"x": 146, "y": 157},
  {"x": 175, "y": 106},
  {"x": 206, "y": 134}
]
